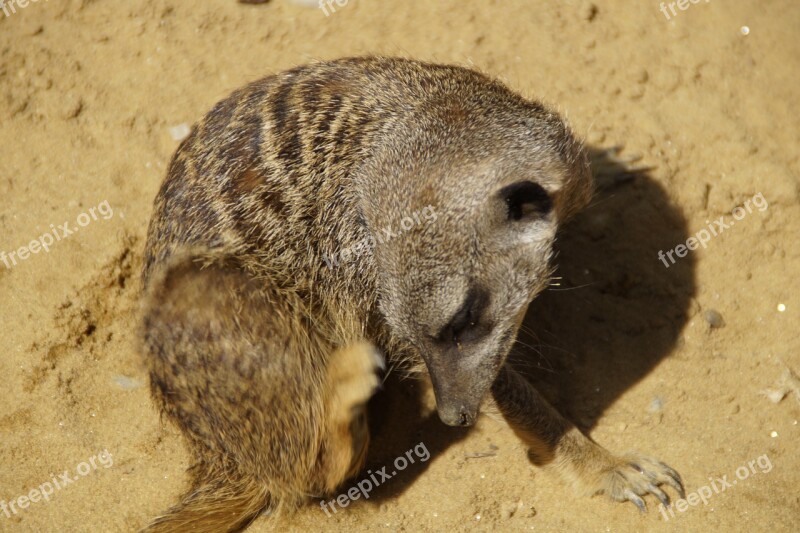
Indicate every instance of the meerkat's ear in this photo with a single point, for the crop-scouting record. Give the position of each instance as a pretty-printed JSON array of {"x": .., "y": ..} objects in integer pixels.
[{"x": 524, "y": 201}]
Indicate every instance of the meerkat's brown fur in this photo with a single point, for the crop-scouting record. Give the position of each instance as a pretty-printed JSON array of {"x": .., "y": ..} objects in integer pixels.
[{"x": 263, "y": 350}]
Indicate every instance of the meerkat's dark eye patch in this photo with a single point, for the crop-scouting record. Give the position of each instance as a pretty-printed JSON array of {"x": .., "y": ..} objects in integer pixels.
[
  {"x": 466, "y": 325},
  {"x": 526, "y": 200}
]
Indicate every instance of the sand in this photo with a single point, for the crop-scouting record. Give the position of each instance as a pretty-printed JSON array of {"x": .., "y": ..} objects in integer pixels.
[{"x": 708, "y": 99}]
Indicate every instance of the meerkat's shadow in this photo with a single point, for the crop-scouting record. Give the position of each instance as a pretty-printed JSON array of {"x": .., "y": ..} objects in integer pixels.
[
  {"x": 615, "y": 309},
  {"x": 613, "y": 313}
]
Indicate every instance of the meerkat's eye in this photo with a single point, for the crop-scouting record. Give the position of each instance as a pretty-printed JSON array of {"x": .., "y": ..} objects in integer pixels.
[
  {"x": 526, "y": 200},
  {"x": 465, "y": 325}
]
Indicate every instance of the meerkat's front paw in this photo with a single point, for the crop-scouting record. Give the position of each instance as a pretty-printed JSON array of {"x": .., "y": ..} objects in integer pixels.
[
  {"x": 353, "y": 377},
  {"x": 633, "y": 476}
]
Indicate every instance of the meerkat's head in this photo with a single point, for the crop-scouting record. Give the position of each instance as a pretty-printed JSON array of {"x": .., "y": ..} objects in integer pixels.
[{"x": 463, "y": 204}]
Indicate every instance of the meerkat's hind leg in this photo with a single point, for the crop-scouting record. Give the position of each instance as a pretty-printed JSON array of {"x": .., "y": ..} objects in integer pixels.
[
  {"x": 190, "y": 337},
  {"x": 352, "y": 378},
  {"x": 231, "y": 365}
]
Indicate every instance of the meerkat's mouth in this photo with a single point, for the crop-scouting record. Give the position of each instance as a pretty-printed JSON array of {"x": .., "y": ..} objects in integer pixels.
[
  {"x": 460, "y": 412},
  {"x": 460, "y": 389}
]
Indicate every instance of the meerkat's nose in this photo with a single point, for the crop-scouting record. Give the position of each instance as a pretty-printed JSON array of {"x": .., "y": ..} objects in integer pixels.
[
  {"x": 457, "y": 416},
  {"x": 465, "y": 419}
]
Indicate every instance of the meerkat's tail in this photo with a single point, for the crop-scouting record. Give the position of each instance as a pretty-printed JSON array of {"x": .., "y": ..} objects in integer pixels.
[{"x": 217, "y": 502}]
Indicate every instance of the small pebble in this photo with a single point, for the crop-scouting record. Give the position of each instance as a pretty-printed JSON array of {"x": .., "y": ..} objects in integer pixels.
[
  {"x": 713, "y": 318},
  {"x": 776, "y": 395},
  {"x": 588, "y": 11},
  {"x": 656, "y": 405},
  {"x": 781, "y": 308},
  {"x": 180, "y": 132},
  {"x": 635, "y": 92},
  {"x": 773, "y": 434},
  {"x": 509, "y": 509},
  {"x": 72, "y": 107},
  {"x": 745, "y": 30},
  {"x": 127, "y": 383}
]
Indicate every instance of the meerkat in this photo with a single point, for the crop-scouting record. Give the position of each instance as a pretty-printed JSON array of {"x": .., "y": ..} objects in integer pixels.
[{"x": 264, "y": 354}]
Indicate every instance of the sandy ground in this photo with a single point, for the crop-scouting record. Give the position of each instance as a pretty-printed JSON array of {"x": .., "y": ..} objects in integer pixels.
[{"x": 91, "y": 88}]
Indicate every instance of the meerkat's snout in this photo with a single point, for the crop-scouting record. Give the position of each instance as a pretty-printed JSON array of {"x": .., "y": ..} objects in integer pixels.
[
  {"x": 458, "y": 391},
  {"x": 462, "y": 374}
]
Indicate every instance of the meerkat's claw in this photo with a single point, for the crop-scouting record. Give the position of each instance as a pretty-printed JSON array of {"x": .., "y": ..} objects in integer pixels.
[
  {"x": 673, "y": 479},
  {"x": 378, "y": 359},
  {"x": 637, "y": 476},
  {"x": 636, "y": 500},
  {"x": 658, "y": 493}
]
